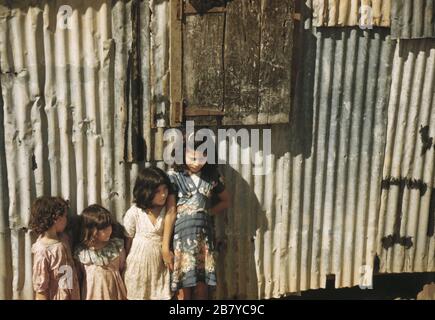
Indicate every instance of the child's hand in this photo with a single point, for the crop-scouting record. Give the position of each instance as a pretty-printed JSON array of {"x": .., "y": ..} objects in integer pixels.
[{"x": 168, "y": 259}]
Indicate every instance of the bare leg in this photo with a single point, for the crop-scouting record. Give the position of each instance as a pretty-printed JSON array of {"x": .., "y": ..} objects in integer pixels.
[
  {"x": 184, "y": 294},
  {"x": 201, "y": 291}
]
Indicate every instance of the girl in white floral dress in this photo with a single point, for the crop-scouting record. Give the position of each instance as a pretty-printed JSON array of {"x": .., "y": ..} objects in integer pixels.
[{"x": 146, "y": 277}]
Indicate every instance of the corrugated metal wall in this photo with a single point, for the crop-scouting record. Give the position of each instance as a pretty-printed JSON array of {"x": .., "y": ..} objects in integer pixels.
[
  {"x": 413, "y": 19},
  {"x": 67, "y": 111},
  {"x": 253, "y": 236},
  {"x": 74, "y": 126},
  {"x": 336, "y": 183},
  {"x": 328, "y": 13},
  {"x": 406, "y": 241}
]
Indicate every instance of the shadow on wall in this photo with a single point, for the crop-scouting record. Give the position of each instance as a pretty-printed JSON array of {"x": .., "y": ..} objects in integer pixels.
[
  {"x": 303, "y": 72},
  {"x": 236, "y": 231}
]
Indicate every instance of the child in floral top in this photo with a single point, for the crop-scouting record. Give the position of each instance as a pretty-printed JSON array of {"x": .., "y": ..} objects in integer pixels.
[
  {"x": 101, "y": 258},
  {"x": 191, "y": 224}
]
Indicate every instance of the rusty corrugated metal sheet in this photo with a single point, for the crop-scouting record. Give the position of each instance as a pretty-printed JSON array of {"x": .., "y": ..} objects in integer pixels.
[
  {"x": 406, "y": 241},
  {"x": 317, "y": 214},
  {"x": 413, "y": 19},
  {"x": 328, "y": 13},
  {"x": 338, "y": 133}
]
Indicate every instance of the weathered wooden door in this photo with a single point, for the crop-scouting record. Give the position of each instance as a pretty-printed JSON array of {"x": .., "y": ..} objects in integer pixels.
[{"x": 231, "y": 61}]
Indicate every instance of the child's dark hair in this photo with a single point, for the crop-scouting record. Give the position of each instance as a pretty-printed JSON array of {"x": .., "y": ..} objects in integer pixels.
[
  {"x": 208, "y": 170},
  {"x": 147, "y": 182},
  {"x": 94, "y": 218},
  {"x": 45, "y": 211}
]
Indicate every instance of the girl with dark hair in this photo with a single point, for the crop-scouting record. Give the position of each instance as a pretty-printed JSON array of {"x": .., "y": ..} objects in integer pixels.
[
  {"x": 190, "y": 226},
  {"x": 101, "y": 257},
  {"x": 54, "y": 274},
  {"x": 146, "y": 277}
]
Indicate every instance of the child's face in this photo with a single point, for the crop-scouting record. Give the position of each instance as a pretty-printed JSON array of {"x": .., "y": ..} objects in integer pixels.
[
  {"x": 103, "y": 235},
  {"x": 60, "y": 223},
  {"x": 195, "y": 160},
  {"x": 160, "y": 196}
]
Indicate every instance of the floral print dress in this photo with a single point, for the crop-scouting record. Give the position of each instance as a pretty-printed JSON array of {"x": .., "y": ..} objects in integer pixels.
[{"x": 193, "y": 239}]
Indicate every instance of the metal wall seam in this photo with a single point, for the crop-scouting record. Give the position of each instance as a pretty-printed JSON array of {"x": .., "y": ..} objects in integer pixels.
[
  {"x": 120, "y": 13},
  {"x": 5, "y": 235}
]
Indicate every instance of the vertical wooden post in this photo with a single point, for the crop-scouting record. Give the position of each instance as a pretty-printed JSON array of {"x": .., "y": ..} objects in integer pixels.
[{"x": 175, "y": 62}]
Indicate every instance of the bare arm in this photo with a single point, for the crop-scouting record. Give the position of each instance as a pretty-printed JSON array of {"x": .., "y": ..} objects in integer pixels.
[
  {"x": 224, "y": 203},
  {"x": 171, "y": 215},
  {"x": 41, "y": 296},
  {"x": 128, "y": 243},
  {"x": 122, "y": 258}
]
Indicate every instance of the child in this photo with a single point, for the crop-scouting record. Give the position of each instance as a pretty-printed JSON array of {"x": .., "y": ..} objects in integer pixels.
[
  {"x": 101, "y": 257},
  {"x": 146, "y": 277},
  {"x": 54, "y": 275},
  {"x": 195, "y": 183}
]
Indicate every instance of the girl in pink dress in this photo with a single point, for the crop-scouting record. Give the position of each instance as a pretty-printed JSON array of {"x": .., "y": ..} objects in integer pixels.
[{"x": 54, "y": 274}]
